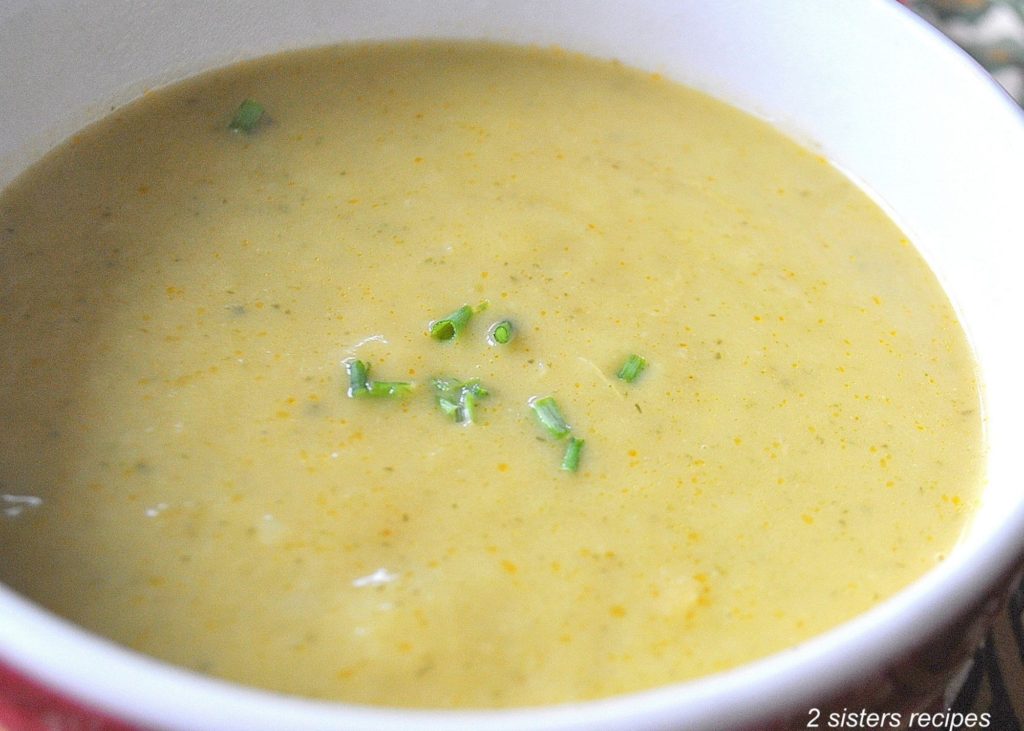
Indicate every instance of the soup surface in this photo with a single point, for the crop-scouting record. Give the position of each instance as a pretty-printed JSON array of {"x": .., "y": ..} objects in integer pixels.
[{"x": 193, "y": 465}]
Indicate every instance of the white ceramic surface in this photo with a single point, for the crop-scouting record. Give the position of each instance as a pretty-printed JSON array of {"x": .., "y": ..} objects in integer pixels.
[{"x": 866, "y": 82}]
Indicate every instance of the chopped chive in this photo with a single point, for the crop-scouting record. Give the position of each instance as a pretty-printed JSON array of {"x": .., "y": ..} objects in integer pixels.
[
  {"x": 571, "y": 460},
  {"x": 448, "y": 407},
  {"x": 359, "y": 384},
  {"x": 632, "y": 368},
  {"x": 474, "y": 387},
  {"x": 249, "y": 114},
  {"x": 388, "y": 388},
  {"x": 469, "y": 400},
  {"x": 358, "y": 373},
  {"x": 500, "y": 332},
  {"x": 449, "y": 327},
  {"x": 446, "y": 385},
  {"x": 457, "y": 399},
  {"x": 550, "y": 416}
]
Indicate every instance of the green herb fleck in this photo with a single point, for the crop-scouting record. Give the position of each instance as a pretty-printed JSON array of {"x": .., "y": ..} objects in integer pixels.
[
  {"x": 550, "y": 416},
  {"x": 449, "y": 327},
  {"x": 248, "y": 116},
  {"x": 571, "y": 460},
  {"x": 632, "y": 368}
]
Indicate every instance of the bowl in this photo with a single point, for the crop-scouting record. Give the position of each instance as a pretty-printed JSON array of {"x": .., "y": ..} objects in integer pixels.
[{"x": 865, "y": 82}]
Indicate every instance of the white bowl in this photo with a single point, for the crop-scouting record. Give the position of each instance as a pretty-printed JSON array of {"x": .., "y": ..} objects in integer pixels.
[{"x": 864, "y": 81}]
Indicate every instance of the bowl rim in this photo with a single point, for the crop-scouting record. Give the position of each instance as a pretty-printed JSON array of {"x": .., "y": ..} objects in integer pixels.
[{"x": 773, "y": 685}]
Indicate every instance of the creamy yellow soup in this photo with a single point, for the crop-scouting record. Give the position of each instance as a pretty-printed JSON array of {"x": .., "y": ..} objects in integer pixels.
[{"x": 192, "y": 466}]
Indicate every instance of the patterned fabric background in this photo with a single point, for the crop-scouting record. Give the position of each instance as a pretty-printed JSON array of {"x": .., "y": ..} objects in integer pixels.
[
  {"x": 996, "y": 680},
  {"x": 992, "y": 31}
]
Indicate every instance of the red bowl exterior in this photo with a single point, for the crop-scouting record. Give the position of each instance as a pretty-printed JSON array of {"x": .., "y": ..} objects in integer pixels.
[{"x": 27, "y": 705}]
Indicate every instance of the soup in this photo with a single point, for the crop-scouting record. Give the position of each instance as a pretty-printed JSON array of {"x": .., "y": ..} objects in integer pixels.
[{"x": 463, "y": 375}]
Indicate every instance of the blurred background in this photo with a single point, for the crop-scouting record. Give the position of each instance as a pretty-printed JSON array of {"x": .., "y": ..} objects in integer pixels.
[{"x": 992, "y": 31}]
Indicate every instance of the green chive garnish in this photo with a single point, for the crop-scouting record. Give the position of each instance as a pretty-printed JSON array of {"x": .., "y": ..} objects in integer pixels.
[
  {"x": 470, "y": 396},
  {"x": 550, "y": 416},
  {"x": 500, "y": 332},
  {"x": 358, "y": 373},
  {"x": 571, "y": 460},
  {"x": 445, "y": 384},
  {"x": 458, "y": 399},
  {"x": 449, "y": 407},
  {"x": 360, "y": 386},
  {"x": 632, "y": 368},
  {"x": 449, "y": 327},
  {"x": 388, "y": 388},
  {"x": 247, "y": 117}
]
